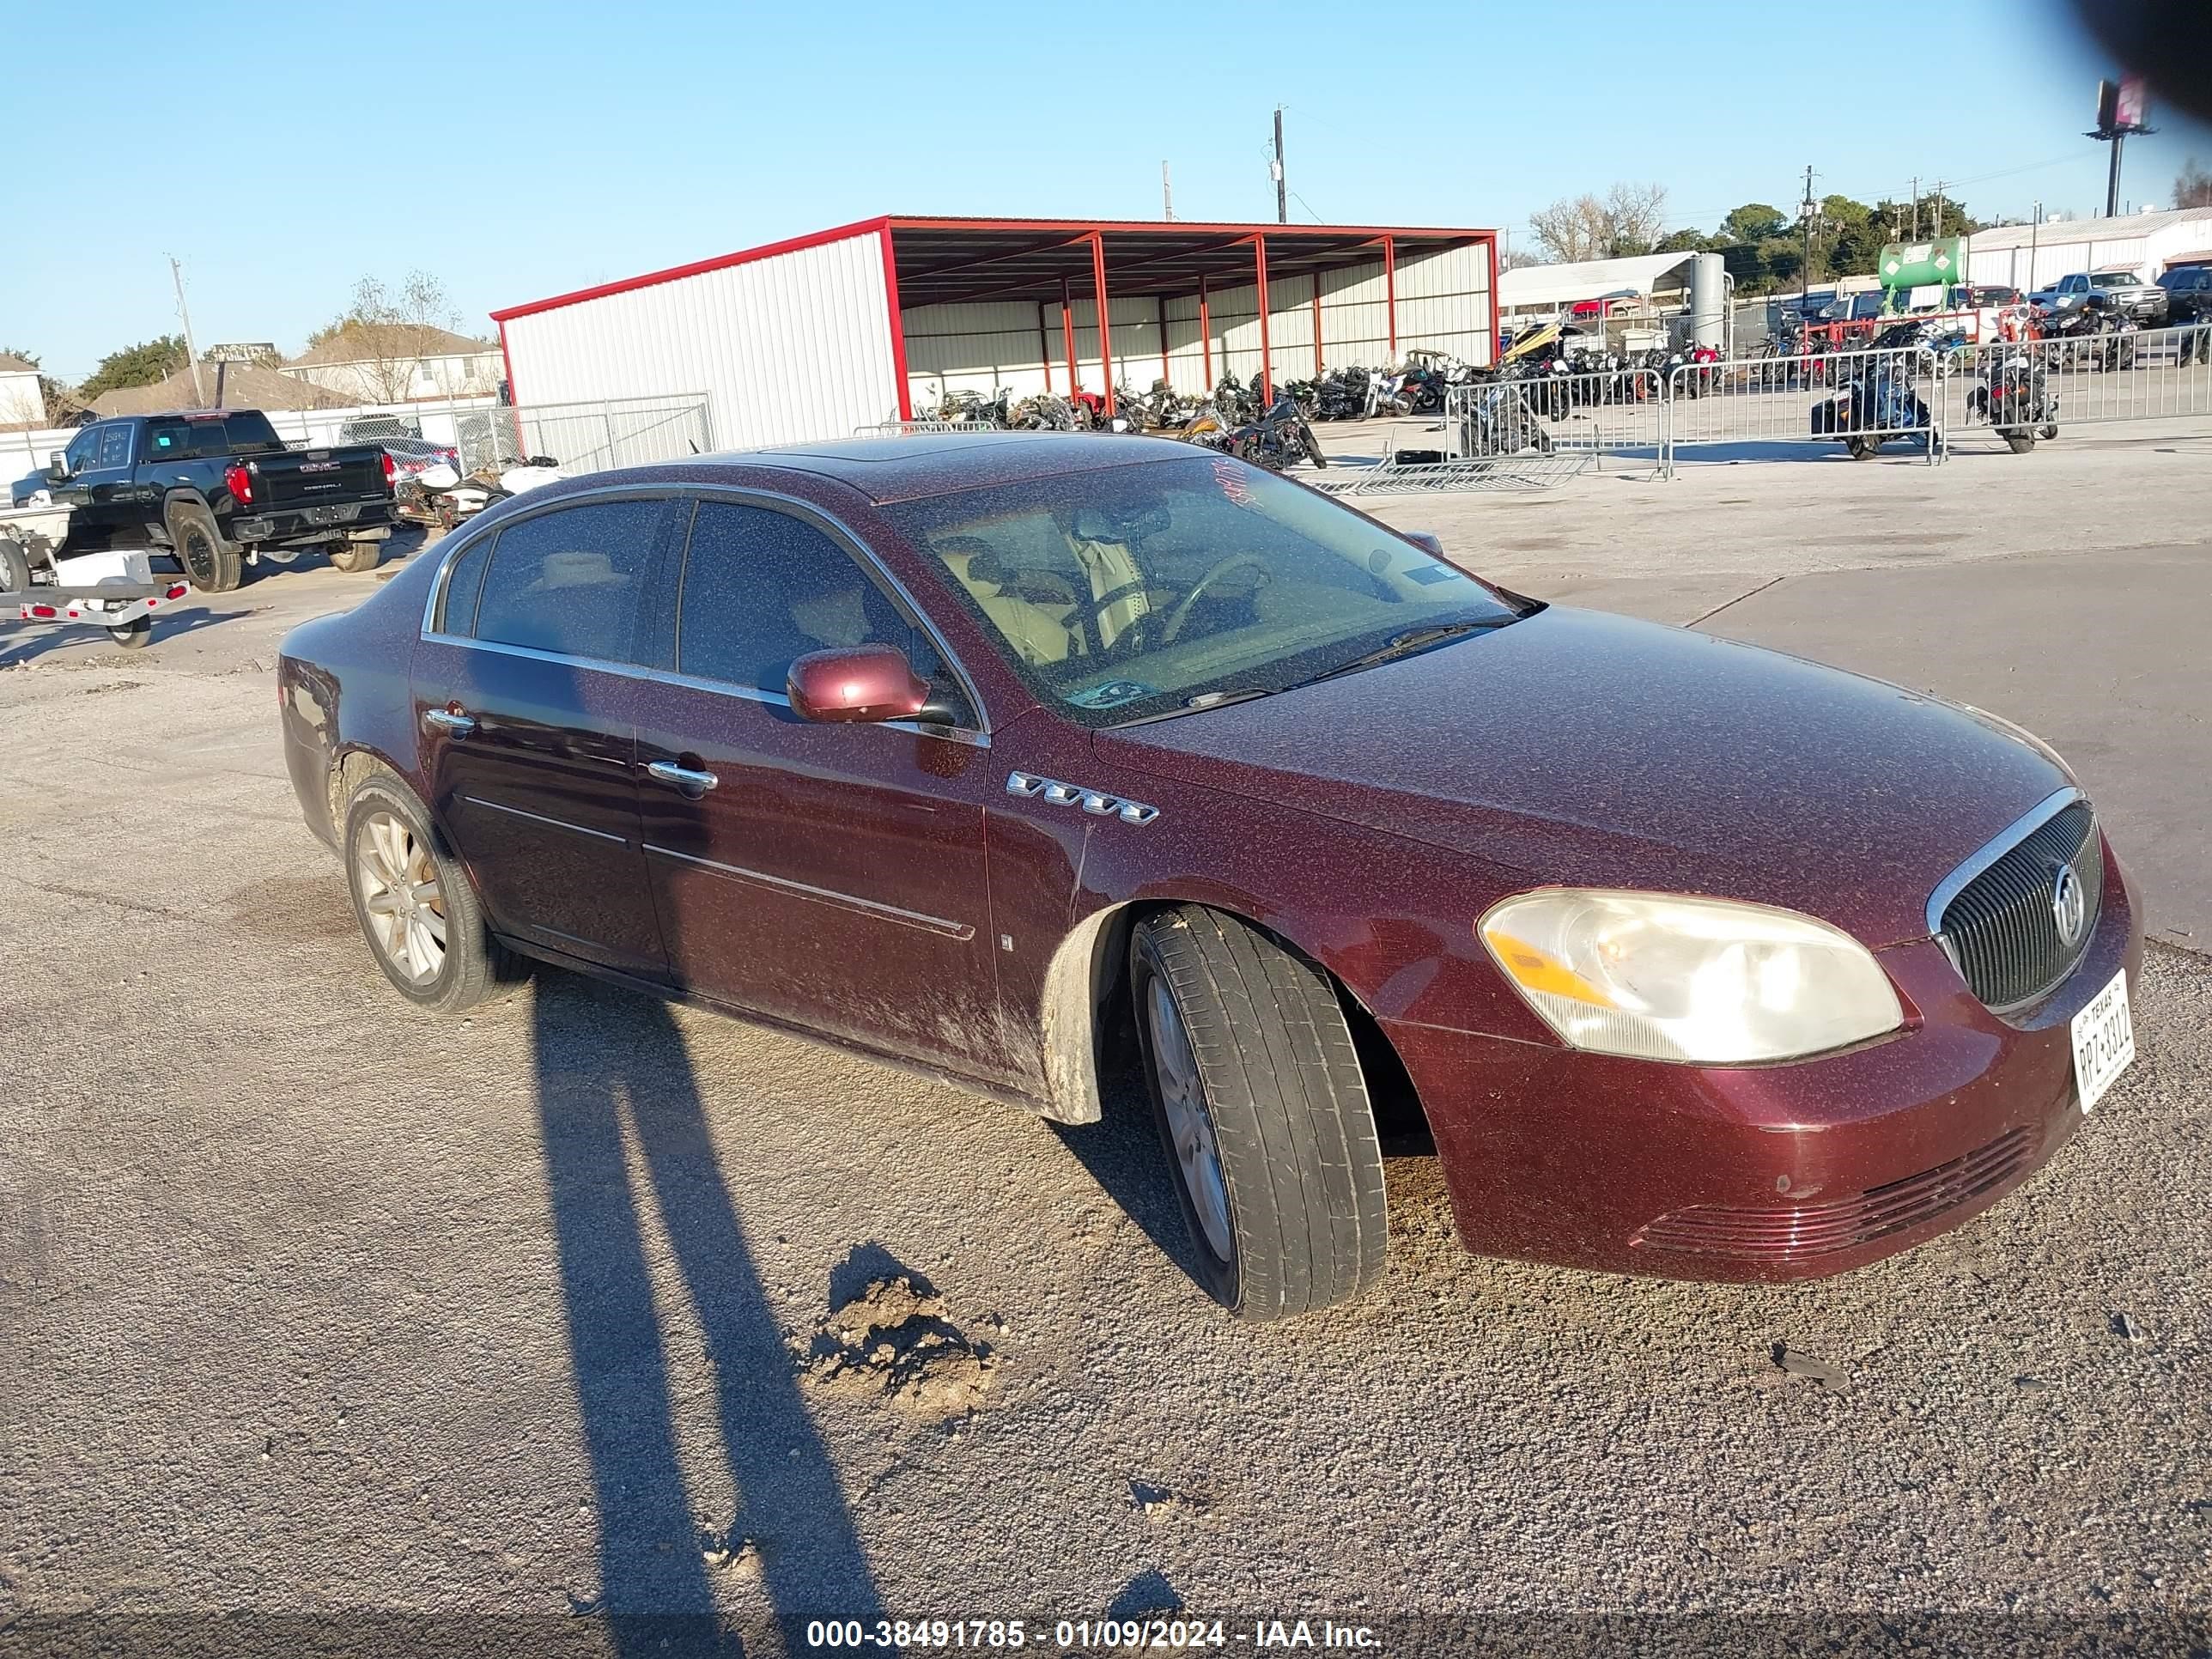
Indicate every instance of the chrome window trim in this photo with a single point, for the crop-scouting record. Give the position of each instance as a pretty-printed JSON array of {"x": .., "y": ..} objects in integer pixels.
[
  {"x": 978, "y": 737},
  {"x": 1995, "y": 848},
  {"x": 953, "y": 930}
]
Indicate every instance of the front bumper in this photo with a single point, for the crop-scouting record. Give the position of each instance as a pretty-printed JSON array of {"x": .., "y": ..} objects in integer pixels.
[{"x": 1796, "y": 1170}]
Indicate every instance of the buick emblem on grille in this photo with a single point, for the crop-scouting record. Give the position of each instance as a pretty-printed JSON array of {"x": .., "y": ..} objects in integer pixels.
[{"x": 2069, "y": 906}]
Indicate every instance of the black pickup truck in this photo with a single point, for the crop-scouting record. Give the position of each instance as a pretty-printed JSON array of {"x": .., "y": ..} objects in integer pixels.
[{"x": 218, "y": 491}]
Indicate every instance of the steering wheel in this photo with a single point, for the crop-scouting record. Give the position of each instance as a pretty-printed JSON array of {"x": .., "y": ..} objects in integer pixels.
[
  {"x": 1176, "y": 616},
  {"x": 1091, "y": 614}
]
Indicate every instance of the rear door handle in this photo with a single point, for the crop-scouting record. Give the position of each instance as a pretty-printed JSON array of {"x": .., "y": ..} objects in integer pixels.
[
  {"x": 450, "y": 720},
  {"x": 682, "y": 777}
]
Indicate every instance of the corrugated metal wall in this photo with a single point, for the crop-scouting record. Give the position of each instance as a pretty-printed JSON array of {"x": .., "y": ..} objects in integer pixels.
[{"x": 791, "y": 347}]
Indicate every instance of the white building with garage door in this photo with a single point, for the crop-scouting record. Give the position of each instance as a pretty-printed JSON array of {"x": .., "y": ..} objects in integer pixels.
[
  {"x": 2031, "y": 257},
  {"x": 880, "y": 320}
]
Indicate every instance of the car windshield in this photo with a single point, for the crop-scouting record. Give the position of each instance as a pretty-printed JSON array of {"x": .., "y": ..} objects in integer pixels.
[
  {"x": 2114, "y": 279},
  {"x": 1132, "y": 591}
]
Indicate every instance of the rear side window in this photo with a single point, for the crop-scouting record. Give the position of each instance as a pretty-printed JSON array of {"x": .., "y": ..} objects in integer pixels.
[
  {"x": 762, "y": 587},
  {"x": 572, "y": 581},
  {"x": 456, "y": 607}
]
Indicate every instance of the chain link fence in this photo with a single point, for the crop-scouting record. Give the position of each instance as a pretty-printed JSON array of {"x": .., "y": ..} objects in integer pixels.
[{"x": 587, "y": 437}]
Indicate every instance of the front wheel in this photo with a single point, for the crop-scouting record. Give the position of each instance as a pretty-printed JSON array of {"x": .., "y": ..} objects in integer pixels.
[
  {"x": 14, "y": 568},
  {"x": 133, "y": 636},
  {"x": 1860, "y": 449},
  {"x": 2019, "y": 443},
  {"x": 1258, "y": 1098}
]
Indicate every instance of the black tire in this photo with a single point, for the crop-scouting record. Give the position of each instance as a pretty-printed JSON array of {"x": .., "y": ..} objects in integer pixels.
[
  {"x": 211, "y": 564},
  {"x": 133, "y": 636},
  {"x": 1862, "y": 448},
  {"x": 2049, "y": 432},
  {"x": 1279, "y": 1091},
  {"x": 14, "y": 568},
  {"x": 353, "y": 558},
  {"x": 2019, "y": 443},
  {"x": 474, "y": 966}
]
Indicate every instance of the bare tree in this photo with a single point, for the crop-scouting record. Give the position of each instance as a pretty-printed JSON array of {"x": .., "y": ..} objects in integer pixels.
[
  {"x": 382, "y": 332},
  {"x": 2193, "y": 186},
  {"x": 1628, "y": 219}
]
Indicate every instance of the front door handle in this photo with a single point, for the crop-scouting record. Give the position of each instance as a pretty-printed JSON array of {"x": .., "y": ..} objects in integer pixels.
[
  {"x": 449, "y": 720},
  {"x": 683, "y": 777}
]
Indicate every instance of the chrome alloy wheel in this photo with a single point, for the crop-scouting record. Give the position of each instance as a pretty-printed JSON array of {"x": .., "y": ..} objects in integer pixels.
[
  {"x": 401, "y": 897},
  {"x": 1183, "y": 1096}
]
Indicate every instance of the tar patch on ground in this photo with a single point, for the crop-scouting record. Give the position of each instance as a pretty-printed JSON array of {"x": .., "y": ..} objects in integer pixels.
[{"x": 891, "y": 1340}]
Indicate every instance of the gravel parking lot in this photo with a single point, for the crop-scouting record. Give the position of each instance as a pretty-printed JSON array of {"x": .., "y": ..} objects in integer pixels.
[{"x": 492, "y": 1333}]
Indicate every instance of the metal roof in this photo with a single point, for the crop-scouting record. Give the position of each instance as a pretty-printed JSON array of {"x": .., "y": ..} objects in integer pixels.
[
  {"x": 2059, "y": 233},
  {"x": 1583, "y": 279},
  {"x": 941, "y": 260}
]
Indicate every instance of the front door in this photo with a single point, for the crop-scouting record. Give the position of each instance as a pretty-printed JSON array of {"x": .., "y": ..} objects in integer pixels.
[
  {"x": 827, "y": 876},
  {"x": 524, "y": 693},
  {"x": 98, "y": 489}
]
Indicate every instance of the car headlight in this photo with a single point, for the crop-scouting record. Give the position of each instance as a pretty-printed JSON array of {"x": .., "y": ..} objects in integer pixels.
[{"x": 1708, "y": 981}]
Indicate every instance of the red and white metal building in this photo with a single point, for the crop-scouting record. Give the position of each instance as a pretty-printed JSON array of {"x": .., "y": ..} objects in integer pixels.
[{"x": 877, "y": 321}]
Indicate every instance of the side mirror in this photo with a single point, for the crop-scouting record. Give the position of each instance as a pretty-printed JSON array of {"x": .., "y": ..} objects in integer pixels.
[
  {"x": 1427, "y": 540},
  {"x": 861, "y": 683},
  {"x": 57, "y": 465}
]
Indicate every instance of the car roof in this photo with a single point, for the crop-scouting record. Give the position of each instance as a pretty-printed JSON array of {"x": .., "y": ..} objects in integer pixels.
[{"x": 939, "y": 463}]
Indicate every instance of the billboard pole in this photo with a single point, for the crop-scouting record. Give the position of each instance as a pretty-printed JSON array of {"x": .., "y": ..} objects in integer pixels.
[{"x": 2120, "y": 110}]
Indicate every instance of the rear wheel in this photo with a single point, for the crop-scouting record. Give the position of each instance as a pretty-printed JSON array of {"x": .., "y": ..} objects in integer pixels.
[
  {"x": 211, "y": 564},
  {"x": 354, "y": 558},
  {"x": 14, "y": 568},
  {"x": 132, "y": 636},
  {"x": 1258, "y": 1098},
  {"x": 1862, "y": 448},
  {"x": 2019, "y": 442},
  {"x": 415, "y": 905}
]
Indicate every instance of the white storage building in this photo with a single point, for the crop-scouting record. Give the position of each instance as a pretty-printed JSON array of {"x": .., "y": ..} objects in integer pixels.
[
  {"x": 877, "y": 321},
  {"x": 2031, "y": 257}
]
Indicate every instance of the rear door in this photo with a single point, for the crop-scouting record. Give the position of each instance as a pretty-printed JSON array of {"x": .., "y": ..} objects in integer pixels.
[
  {"x": 524, "y": 686},
  {"x": 830, "y": 876}
]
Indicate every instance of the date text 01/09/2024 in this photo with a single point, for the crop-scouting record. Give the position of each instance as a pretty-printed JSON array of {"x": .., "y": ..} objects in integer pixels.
[{"x": 1119, "y": 1635}]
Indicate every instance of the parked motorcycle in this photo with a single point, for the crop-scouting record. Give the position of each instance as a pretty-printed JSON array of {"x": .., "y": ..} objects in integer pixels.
[
  {"x": 1278, "y": 439},
  {"x": 1501, "y": 421},
  {"x": 2015, "y": 398},
  {"x": 1874, "y": 402}
]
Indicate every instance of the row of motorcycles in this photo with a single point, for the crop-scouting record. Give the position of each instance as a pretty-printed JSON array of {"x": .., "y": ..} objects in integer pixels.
[
  {"x": 1877, "y": 398},
  {"x": 1237, "y": 417}
]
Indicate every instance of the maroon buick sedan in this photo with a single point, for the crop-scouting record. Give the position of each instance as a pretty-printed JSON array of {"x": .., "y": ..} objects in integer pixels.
[{"x": 1009, "y": 757}]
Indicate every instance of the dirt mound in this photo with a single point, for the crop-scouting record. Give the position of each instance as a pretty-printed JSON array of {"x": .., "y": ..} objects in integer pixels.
[{"x": 893, "y": 1341}]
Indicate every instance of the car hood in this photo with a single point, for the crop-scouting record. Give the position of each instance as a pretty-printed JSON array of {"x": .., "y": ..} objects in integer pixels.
[{"x": 1591, "y": 750}]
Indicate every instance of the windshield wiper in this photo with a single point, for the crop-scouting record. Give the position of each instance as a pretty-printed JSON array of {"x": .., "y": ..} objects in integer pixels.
[
  {"x": 1408, "y": 643},
  {"x": 1197, "y": 705}
]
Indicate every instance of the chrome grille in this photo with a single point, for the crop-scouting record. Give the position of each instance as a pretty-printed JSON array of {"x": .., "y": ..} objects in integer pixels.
[{"x": 2001, "y": 929}]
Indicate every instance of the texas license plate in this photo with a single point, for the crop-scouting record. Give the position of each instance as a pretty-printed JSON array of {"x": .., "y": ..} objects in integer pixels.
[
  {"x": 2104, "y": 1041},
  {"x": 332, "y": 514}
]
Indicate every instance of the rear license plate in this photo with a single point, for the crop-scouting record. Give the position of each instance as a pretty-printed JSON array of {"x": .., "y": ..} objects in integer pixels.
[
  {"x": 332, "y": 514},
  {"x": 2104, "y": 1041}
]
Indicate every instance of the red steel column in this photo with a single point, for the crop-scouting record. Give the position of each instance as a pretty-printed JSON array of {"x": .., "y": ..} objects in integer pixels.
[
  {"x": 1266, "y": 363},
  {"x": 1496, "y": 310},
  {"x": 1390, "y": 290},
  {"x": 1044, "y": 348},
  {"x": 1068, "y": 330},
  {"x": 1316, "y": 282},
  {"x": 898, "y": 326},
  {"x": 1205, "y": 335},
  {"x": 1105, "y": 328}
]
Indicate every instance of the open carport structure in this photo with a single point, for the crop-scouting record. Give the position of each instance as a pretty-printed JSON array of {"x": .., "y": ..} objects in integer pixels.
[{"x": 877, "y": 320}]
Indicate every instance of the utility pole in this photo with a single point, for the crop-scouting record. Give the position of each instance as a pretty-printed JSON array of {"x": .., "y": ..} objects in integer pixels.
[
  {"x": 1805, "y": 214},
  {"x": 2034, "y": 230},
  {"x": 192, "y": 351},
  {"x": 2112, "y": 179},
  {"x": 1282, "y": 184},
  {"x": 1167, "y": 194},
  {"x": 1916, "y": 207},
  {"x": 1938, "y": 230}
]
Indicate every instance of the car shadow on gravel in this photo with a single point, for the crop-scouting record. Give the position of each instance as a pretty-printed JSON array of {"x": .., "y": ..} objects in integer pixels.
[{"x": 617, "y": 1094}]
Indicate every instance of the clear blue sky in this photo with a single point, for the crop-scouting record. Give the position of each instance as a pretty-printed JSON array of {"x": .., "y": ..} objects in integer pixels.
[{"x": 523, "y": 150}]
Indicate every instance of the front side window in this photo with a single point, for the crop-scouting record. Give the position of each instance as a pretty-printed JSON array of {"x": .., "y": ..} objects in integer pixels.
[
  {"x": 82, "y": 450},
  {"x": 570, "y": 581},
  {"x": 762, "y": 588},
  {"x": 1128, "y": 592},
  {"x": 115, "y": 445}
]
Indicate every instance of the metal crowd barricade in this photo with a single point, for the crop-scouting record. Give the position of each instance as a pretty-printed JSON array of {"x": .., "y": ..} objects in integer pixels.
[
  {"x": 2148, "y": 375},
  {"x": 1747, "y": 409},
  {"x": 1619, "y": 411}
]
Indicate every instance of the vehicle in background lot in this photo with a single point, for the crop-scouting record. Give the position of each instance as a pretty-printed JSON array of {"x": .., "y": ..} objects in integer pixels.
[
  {"x": 1008, "y": 756},
  {"x": 218, "y": 490},
  {"x": 2189, "y": 305},
  {"x": 412, "y": 457},
  {"x": 2121, "y": 292}
]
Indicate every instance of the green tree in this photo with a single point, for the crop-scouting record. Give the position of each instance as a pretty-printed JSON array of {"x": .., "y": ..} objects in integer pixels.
[
  {"x": 143, "y": 364},
  {"x": 1683, "y": 241},
  {"x": 1754, "y": 222},
  {"x": 2193, "y": 186}
]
